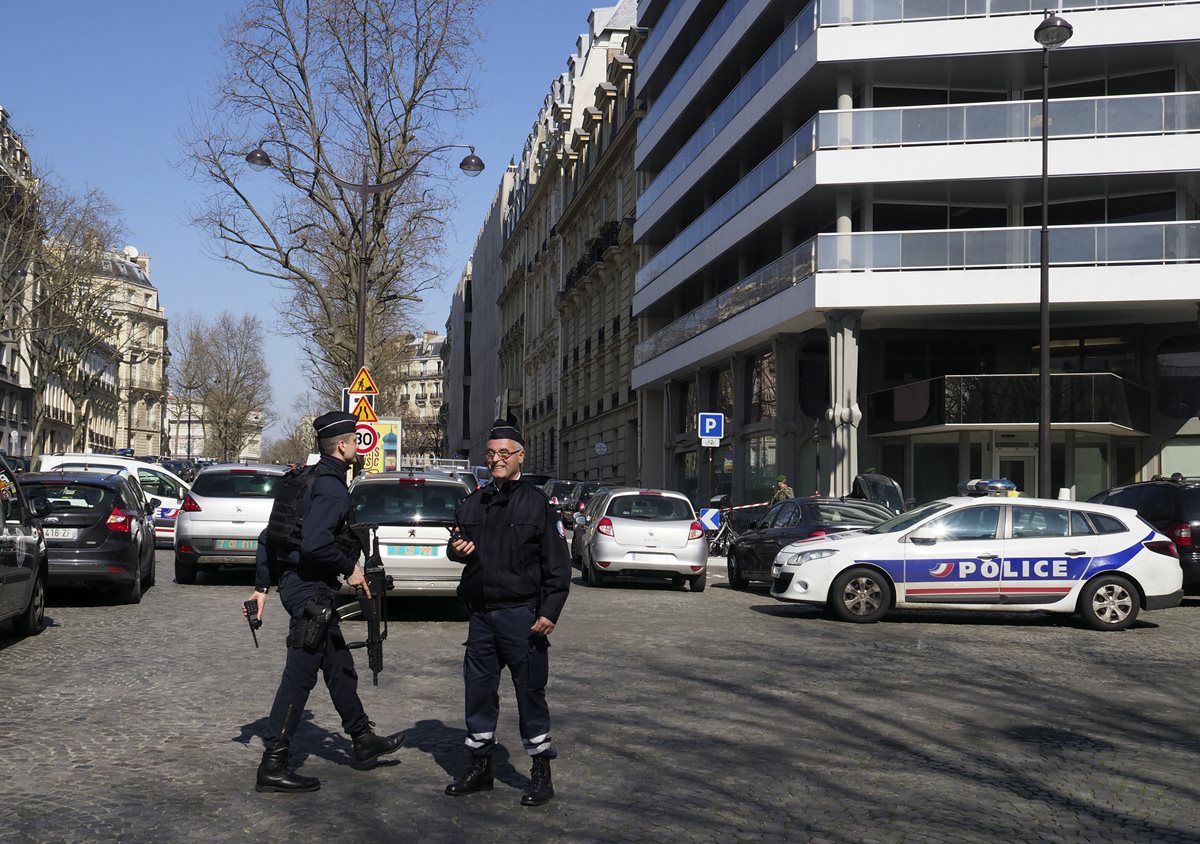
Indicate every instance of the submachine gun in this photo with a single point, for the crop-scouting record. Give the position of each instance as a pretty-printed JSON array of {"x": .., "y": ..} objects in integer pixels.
[{"x": 375, "y": 607}]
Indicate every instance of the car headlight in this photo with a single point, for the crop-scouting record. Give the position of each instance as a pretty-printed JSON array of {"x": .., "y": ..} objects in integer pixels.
[{"x": 808, "y": 556}]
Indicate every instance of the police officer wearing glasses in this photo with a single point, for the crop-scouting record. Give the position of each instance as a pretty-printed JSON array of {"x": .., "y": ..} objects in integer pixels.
[{"x": 517, "y": 574}]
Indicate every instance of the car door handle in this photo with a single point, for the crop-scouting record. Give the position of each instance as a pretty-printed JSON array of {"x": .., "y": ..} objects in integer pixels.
[
  {"x": 989, "y": 556},
  {"x": 1074, "y": 553}
]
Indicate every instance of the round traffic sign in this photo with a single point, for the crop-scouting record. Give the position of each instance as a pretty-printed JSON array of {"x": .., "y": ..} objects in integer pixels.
[
  {"x": 601, "y": 449},
  {"x": 366, "y": 436}
]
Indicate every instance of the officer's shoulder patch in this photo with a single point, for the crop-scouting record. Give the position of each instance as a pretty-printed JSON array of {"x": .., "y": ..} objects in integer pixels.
[{"x": 561, "y": 532}]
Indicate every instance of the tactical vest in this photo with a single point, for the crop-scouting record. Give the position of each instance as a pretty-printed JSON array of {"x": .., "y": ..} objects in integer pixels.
[{"x": 286, "y": 520}]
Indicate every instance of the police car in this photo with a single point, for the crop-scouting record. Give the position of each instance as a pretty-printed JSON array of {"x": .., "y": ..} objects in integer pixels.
[{"x": 997, "y": 552}]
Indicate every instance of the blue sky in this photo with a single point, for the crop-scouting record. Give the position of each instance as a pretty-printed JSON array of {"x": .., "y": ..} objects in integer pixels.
[{"x": 101, "y": 91}]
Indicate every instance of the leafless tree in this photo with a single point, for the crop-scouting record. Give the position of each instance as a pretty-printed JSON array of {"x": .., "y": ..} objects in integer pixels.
[
  {"x": 186, "y": 378},
  {"x": 297, "y": 441},
  {"x": 57, "y": 299},
  {"x": 358, "y": 88},
  {"x": 234, "y": 386}
]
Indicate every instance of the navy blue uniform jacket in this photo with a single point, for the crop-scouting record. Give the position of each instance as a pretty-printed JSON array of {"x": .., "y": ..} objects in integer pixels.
[
  {"x": 520, "y": 558},
  {"x": 325, "y": 513}
]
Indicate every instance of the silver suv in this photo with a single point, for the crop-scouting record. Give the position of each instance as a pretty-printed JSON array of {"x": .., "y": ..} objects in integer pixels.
[{"x": 222, "y": 516}]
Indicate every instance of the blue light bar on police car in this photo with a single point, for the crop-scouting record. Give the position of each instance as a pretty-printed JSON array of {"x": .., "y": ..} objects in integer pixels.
[{"x": 993, "y": 486}]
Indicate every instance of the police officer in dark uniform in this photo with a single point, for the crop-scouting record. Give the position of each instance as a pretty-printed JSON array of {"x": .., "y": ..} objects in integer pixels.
[
  {"x": 309, "y": 573},
  {"x": 517, "y": 574}
]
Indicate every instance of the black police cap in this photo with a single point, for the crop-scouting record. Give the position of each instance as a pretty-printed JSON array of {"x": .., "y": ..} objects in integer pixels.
[
  {"x": 334, "y": 424},
  {"x": 501, "y": 430}
]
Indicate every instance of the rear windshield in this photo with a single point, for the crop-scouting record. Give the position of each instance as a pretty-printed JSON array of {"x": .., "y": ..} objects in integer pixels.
[
  {"x": 560, "y": 489},
  {"x": 406, "y": 503},
  {"x": 236, "y": 483},
  {"x": 650, "y": 508},
  {"x": 74, "y": 498}
]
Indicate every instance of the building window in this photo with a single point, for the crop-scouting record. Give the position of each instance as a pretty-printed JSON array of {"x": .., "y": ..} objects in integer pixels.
[
  {"x": 1177, "y": 377},
  {"x": 762, "y": 388}
]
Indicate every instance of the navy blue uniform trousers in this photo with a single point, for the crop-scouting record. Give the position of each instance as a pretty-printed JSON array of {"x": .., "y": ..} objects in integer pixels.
[
  {"x": 498, "y": 639},
  {"x": 300, "y": 672}
]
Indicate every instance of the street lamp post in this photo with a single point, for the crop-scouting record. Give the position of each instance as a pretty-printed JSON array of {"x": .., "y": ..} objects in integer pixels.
[
  {"x": 1052, "y": 32},
  {"x": 471, "y": 164}
]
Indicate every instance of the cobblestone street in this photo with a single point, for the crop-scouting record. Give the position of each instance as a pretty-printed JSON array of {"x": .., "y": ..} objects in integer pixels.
[{"x": 709, "y": 717}]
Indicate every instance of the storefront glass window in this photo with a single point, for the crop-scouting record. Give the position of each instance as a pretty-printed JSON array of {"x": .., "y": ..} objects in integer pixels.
[
  {"x": 1177, "y": 377},
  {"x": 1091, "y": 466},
  {"x": 760, "y": 469},
  {"x": 685, "y": 474}
]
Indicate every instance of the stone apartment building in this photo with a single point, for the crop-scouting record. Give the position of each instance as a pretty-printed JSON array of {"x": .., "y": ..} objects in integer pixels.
[
  {"x": 542, "y": 359},
  {"x": 142, "y": 384},
  {"x": 599, "y": 413}
]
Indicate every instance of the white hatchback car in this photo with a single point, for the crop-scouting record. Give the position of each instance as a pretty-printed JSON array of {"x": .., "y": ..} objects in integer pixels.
[
  {"x": 415, "y": 512},
  {"x": 222, "y": 516},
  {"x": 1006, "y": 554},
  {"x": 643, "y": 533}
]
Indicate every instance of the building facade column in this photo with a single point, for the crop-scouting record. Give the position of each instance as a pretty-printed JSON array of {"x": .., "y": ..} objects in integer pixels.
[
  {"x": 789, "y": 433},
  {"x": 844, "y": 414}
]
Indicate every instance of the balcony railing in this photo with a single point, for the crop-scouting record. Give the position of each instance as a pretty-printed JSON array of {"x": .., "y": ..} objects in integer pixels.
[
  {"x": 851, "y": 12},
  {"x": 979, "y": 122},
  {"x": 1087, "y": 117},
  {"x": 776, "y": 277},
  {"x": 758, "y": 181},
  {"x": 1075, "y": 399},
  {"x": 956, "y": 249},
  {"x": 763, "y": 71},
  {"x": 683, "y": 73},
  {"x": 1122, "y": 243},
  {"x": 654, "y": 39}
]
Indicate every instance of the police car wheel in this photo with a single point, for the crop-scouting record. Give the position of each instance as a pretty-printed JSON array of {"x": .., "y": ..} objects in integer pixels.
[
  {"x": 860, "y": 595},
  {"x": 1109, "y": 603},
  {"x": 736, "y": 580},
  {"x": 699, "y": 581}
]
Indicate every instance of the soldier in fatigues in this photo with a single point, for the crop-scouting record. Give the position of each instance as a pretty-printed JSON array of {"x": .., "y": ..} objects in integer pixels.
[
  {"x": 310, "y": 572},
  {"x": 517, "y": 574}
]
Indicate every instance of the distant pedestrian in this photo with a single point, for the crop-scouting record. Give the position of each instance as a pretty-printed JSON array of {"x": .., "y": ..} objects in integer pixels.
[
  {"x": 782, "y": 491},
  {"x": 310, "y": 565},
  {"x": 517, "y": 574}
]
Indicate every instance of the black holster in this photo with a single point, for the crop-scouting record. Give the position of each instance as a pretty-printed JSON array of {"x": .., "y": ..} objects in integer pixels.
[{"x": 308, "y": 631}]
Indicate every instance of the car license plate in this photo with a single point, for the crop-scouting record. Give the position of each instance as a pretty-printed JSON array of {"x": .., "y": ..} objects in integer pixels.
[
  {"x": 411, "y": 550},
  {"x": 61, "y": 533},
  {"x": 645, "y": 558},
  {"x": 235, "y": 544}
]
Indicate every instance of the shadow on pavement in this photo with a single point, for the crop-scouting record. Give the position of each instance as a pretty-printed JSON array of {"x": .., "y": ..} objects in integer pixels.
[
  {"x": 446, "y": 745},
  {"x": 310, "y": 739}
]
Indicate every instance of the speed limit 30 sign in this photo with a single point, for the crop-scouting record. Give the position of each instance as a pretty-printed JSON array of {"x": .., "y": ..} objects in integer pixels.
[{"x": 366, "y": 437}]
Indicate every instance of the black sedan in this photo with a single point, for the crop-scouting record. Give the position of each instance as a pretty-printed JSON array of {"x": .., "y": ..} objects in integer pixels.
[
  {"x": 752, "y": 553},
  {"x": 22, "y": 555},
  {"x": 98, "y": 530}
]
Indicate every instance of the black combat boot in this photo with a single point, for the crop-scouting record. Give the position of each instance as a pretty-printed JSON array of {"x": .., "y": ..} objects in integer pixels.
[
  {"x": 273, "y": 774},
  {"x": 477, "y": 778},
  {"x": 368, "y": 746},
  {"x": 540, "y": 788}
]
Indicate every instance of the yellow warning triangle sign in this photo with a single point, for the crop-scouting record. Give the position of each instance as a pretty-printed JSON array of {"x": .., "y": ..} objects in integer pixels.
[
  {"x": 364, "y": 412},
  {"x": 364, "y": 383}
]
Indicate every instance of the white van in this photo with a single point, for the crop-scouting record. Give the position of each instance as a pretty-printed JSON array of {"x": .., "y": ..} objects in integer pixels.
[{"x": 156, "y": 481}]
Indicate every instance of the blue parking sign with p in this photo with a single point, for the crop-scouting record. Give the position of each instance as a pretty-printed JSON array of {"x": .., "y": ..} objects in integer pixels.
[{"x": 712, "y": 425}]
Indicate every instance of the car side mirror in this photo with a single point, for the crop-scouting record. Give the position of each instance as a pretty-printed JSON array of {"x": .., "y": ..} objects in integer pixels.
[
  {"x": 923, "y": 536},
  {"x": 39, "y": 507},
  {"x": 580, "y": 519},
  {"x": 753, "y": 526},
  {"x": 152, "y": 505}
]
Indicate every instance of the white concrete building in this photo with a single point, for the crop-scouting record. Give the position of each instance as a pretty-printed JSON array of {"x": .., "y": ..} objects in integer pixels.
[{"x": 839, "y": 217}]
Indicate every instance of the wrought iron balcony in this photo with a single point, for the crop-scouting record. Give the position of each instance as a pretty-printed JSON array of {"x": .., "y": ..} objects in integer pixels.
[{"x": 1081, "y": 400}]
